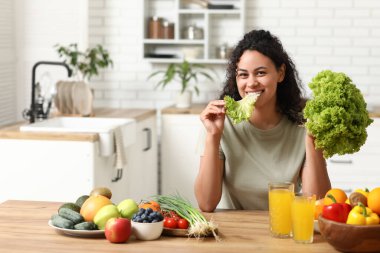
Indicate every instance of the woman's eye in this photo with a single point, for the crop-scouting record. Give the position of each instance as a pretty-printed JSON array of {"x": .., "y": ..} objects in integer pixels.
[
  {"x": 242, "y": 75},
  {"x": 260, "y": 73}
]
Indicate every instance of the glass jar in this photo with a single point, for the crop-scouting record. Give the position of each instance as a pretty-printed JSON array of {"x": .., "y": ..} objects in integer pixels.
[
  {"x": 167, "y": 30},
  {"x": 155, "y": 28}
]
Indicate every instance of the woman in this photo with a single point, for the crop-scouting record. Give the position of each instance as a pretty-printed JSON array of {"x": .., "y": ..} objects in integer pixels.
[{"x": 271, "y": 146}]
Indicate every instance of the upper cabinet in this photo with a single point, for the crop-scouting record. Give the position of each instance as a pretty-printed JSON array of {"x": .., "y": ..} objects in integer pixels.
[{"x": 191, "y": 29}]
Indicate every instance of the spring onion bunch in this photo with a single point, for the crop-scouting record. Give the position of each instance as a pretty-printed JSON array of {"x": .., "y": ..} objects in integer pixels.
[{"x": 199, "y": 226}]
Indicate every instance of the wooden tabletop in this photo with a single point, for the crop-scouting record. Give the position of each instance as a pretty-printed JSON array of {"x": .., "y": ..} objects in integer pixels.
[{"x": 24, "y": 228}]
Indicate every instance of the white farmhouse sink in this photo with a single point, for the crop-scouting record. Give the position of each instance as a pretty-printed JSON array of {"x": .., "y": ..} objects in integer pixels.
[{"x": 103, "y": 126}]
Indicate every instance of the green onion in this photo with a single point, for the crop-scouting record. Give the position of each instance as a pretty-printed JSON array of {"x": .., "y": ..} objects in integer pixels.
[{"x": 199, "y": 226}]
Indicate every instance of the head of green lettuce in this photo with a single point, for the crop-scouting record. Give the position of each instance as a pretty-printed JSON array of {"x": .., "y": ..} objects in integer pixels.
[{"x": 336, "y": 115}]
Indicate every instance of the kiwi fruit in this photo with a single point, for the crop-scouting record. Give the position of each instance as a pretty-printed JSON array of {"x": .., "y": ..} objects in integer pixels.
[{"x": 104, "y": 191}]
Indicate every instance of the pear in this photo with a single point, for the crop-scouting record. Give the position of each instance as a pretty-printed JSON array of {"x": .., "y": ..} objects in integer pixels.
[
  {"x": 127, "y": 208},
  {"x": 104, "y": 214}
]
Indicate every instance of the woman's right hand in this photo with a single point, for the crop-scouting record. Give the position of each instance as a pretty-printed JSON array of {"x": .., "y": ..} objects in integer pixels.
[{"x": 213, "y": 116}]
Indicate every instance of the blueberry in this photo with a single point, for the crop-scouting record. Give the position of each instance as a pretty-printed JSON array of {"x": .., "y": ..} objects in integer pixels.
[
  {"x": 155, "y": 220},
  {"x": 148, "y": 210},
  {"x": 143, "y": 216},
  {"x": 144, "y": 221},
  {"x": 159, "y": 216}
]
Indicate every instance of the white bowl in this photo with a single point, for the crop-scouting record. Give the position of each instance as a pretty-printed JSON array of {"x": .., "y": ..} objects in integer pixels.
[{"x": 147, "y": 231}]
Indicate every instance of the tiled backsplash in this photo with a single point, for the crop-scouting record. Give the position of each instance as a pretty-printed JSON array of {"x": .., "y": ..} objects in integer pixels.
[{"x": 341, "y": 35}]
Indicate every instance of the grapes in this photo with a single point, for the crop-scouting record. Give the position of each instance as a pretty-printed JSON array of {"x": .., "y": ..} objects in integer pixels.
[{"x": 147, "y": 216}]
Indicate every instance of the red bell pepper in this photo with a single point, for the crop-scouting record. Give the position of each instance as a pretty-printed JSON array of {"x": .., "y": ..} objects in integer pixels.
[{"x": 336, "y": 211}]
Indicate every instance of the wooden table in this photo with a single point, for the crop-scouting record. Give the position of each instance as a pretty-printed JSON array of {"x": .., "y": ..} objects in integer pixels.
[{"x": 24, "y": 228}]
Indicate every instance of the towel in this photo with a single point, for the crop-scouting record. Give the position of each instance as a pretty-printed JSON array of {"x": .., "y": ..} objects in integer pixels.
[{"x": 120, "y": 159}]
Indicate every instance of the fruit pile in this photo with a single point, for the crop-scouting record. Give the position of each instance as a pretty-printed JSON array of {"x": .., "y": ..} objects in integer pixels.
[
  {"x": 96, "y": 211},
  {"x": 361, "y": 207}
]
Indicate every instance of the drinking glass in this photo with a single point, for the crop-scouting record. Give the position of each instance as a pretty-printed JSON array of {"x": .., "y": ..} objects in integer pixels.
[
  {"x": 302, "y": 210},
  {"x": 280, "y": 200}
]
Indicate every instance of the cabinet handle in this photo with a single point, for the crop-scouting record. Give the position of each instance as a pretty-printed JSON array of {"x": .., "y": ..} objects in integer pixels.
[
  {"x": 341, "y": 161},
  {"x": 148, "y": 139},
  {"x": 119, "y": 175}
]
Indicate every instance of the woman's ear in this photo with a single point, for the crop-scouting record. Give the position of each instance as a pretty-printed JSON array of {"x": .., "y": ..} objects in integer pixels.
[{"x": 281, "y": 72}]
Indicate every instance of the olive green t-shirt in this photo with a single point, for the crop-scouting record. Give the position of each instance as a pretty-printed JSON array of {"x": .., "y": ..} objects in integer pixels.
[{"x": 255, "y": 157}]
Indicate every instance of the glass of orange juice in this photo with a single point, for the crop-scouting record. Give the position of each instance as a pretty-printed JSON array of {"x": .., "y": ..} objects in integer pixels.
[
  {"x": 302, "y": 211},
  {"x": 280, "y": 199}
]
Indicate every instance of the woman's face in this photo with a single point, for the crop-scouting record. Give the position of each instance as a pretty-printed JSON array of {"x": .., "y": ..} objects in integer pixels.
[{"x": 257, "y": 73}]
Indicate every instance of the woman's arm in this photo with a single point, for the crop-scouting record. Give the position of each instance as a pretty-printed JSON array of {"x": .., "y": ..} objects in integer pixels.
[
  {"x": 315, "y": 178},
  {"x": 208, "y": 184}
]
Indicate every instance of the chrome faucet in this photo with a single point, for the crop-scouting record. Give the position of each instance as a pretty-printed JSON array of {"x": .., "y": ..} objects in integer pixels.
[{"x": 36, "y": 107}]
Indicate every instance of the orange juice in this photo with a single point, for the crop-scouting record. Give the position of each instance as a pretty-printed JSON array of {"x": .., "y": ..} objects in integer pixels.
[
  {"x": 302, "y": 210},
  {"x": 280, "y": 201}
]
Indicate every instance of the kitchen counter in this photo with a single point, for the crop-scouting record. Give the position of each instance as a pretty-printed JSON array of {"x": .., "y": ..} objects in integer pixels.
[
  {"x": 24, "y": 228},
  {"x": 198, "y": 108},
  {"x": 194, "y": 109},
  {"x": 13, "y": 132}
]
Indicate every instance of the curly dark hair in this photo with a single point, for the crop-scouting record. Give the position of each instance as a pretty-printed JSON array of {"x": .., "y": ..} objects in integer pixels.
[{"x": 289, "y": 94}]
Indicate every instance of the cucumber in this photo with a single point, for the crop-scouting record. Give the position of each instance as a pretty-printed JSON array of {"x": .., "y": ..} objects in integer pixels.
[
  {"x": 71, "y": 206},
  {"x": 70, "y": 215},
  {"x": 61, "y": 222},
  {"x": 81, "y": 200},
  {"x": 86, "y": 226}
]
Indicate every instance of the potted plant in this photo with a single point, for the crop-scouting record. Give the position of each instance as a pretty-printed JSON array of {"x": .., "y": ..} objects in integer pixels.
[
  {"x": 75, "y": 97},
  {"x": 84, "y": 64},
  {"x": 185, "y": 73}
]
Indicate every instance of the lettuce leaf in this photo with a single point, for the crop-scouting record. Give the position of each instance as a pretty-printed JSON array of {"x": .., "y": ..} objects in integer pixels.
[{"x": 240, "y": 110}]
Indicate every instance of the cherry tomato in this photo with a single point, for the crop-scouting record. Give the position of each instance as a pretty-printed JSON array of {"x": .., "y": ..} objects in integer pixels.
[
  {"x": 183, "y": 224},
  {"x": 170, "y": 222}
]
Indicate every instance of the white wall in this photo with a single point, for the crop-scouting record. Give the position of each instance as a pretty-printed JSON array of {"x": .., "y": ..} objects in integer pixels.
[
  {"x": 40, "y": 24},
  {"x": 342, "y": 35}
]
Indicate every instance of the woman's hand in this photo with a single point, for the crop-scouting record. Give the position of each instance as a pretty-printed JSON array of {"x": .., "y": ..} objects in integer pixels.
[{"x": 213, "y": 116}]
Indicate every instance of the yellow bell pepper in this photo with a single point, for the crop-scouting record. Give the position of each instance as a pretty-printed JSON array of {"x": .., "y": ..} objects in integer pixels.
[{"x": 361, "y": 215}]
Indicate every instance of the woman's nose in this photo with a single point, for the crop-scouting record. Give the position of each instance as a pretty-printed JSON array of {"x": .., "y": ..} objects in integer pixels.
[{"x": 252, "y": 82}]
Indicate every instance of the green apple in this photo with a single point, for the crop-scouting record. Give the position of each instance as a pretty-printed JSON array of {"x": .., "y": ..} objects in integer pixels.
[
  {"x": 104, "y": 214},
  {"x": 127, "y": 208}
]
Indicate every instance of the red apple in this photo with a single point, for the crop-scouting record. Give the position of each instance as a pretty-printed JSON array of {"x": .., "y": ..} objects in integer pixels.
[{"x": 118, "y": 230}]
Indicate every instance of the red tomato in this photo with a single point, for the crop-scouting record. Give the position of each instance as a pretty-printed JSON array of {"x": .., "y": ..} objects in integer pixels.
[
  {"x": 170, "y": 222},
  {"x": 183, "y": 224}
]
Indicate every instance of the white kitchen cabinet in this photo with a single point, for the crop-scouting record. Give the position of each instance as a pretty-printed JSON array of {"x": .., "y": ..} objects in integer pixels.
[
  {"x": 62, "y": 170},
  {"x": 143, "y": 179},
  {"x": 359, "y": 170},
  {"x": 179, "y": 157},
  {"x": 219, "y": 26}
]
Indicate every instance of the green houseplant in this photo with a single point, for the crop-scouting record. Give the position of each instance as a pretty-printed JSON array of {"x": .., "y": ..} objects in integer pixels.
[
  {"x": 84, "y": 64},
  {"x": 187, "y": 74},
  {"x": 76, "y": 97}
]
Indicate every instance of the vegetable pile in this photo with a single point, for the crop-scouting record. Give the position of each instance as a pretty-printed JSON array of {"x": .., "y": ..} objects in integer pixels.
[
  {"x": 241, "y": 110},
  {"x": 336, "y": 115},
  {"x": 199, "y": 226}
]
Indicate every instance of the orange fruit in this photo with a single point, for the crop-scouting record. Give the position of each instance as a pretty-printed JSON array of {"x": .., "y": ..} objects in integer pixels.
[
  {"x": 150, "y": 204},
  {"x": 319, "y": 204},
  {"x": 92, "y": 205},
  {"x": 339, "y": 195},
  {"x": 373, "y": 200}
]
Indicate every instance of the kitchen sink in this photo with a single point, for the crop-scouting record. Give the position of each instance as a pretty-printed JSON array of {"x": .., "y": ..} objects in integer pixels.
[{"x": 105, "y": 127}]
